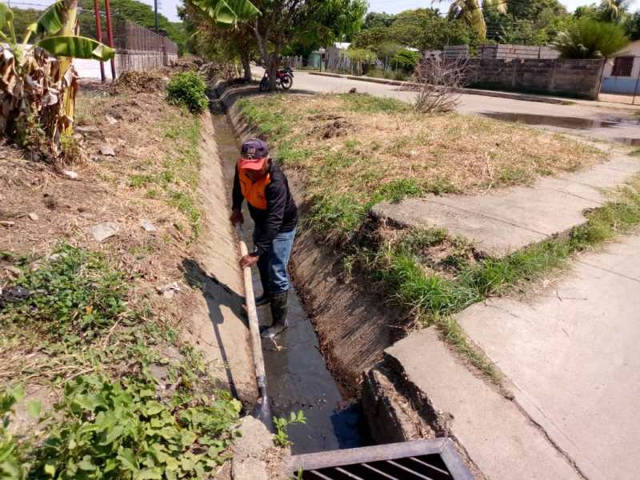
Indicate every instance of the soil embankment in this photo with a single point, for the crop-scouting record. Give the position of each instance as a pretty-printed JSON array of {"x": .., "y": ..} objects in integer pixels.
[{"x": 120, "y": 274}]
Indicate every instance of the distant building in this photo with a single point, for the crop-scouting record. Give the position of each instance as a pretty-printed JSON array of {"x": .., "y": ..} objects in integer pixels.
[{"x": 621, "y": 72}]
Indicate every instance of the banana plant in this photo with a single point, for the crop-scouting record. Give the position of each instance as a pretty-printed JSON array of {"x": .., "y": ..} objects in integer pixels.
[
  {"x": 38, "y": 84},
  {"x": 228, "y": 12}
]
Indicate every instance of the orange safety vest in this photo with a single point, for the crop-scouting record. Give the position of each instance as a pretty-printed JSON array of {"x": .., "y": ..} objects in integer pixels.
[{"x": 254, "y": 192}]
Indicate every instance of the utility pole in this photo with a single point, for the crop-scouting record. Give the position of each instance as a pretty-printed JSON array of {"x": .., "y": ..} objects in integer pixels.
[
  {"x": 107, "y": 9},
  {"x": 155, "y": 10},
  {"x": 635, "y": 90},
  {"x": 96, "y": 10}
]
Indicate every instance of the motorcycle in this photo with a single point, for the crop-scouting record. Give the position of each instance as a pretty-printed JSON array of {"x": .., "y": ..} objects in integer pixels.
[{"x": 284, "y": 79}]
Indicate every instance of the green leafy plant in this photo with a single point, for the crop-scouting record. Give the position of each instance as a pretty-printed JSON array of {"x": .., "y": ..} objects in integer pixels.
[
  {"x": 121, "y": 430},
  {"x": 189, "y": 90},
  {"x": 588, "y": 38},
  {"x": 281, "y": 437},
  {"x": 11, "y": 455},
  {"x": 405, "y": 60},
  {"x": 74, "y": 294}
]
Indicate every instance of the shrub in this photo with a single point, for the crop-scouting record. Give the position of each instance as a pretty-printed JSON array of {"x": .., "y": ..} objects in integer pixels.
[
  {"x": 588, "y": 38},
  {"x": 189, "y": 90},
  {"x": 405, "y": 60}
]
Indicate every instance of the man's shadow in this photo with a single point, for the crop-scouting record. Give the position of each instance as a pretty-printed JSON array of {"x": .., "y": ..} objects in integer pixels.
[{"x": 217, "y": 294}]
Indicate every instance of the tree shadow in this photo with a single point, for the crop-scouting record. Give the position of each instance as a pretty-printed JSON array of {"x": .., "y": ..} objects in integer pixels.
[{"x": 217, "y": 295}]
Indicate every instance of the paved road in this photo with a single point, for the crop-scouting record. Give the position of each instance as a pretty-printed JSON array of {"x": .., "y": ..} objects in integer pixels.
[{"x": 581, "y": 119}]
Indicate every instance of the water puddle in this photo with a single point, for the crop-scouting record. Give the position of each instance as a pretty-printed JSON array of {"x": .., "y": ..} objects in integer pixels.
[
  {"x": 297, "y": 376},
  {"x": 575, "y": 123}
]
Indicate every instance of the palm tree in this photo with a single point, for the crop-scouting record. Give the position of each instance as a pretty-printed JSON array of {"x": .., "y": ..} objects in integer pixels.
[
  {"x": 471, "y": 12},
  {"x": 613, "y": 10}
]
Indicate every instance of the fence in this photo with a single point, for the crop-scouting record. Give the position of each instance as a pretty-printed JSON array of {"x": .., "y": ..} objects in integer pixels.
[{"x": 137, "y": 48}]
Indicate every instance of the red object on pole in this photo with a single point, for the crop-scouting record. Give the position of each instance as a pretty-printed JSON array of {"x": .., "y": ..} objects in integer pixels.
[
  {"x": 96, "y": 10},
  {"x": 107, "y": 9}
]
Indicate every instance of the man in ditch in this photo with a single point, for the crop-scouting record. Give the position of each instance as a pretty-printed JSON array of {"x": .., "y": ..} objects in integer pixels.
[{"x": 273, "y": 210}]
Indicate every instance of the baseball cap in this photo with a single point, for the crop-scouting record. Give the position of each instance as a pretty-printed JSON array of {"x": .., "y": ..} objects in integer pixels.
[{"x": 253, "y": 154}]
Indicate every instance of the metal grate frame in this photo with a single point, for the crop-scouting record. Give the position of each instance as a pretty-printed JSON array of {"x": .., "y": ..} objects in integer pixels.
[{"x": 416, "y": 460}]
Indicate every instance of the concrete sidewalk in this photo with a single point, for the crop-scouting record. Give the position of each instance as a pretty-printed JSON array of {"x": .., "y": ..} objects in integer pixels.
[
  {"x": 573, "y": 360},
  {"x": 502, "y": 442},
  {"x": 508, "y": 220}
]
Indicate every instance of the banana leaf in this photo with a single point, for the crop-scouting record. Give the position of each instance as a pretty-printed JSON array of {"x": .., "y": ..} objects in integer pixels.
[
  {"x": 52, "y": 20},
  {"x": 76, "y": 47},
  {"x": 228, "y": 11},
  {"x": 6, "y": 16}
]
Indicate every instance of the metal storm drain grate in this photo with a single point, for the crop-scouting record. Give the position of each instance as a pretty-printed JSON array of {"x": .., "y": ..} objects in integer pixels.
[{"x": 422, "y": 459}]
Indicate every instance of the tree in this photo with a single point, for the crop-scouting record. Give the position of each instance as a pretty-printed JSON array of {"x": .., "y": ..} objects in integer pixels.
[
  {"x": 531, "y": 22},
  {"x": 632, "y": 26},
  {"x": 313, "y": 23},
  {"x": 612, "y": 10},
  {"x": 471, "y": 11},
  {"x": 588, "y": 38},
  {"x": 218, "y": 41},
  {"x": 377, "y": 20}
]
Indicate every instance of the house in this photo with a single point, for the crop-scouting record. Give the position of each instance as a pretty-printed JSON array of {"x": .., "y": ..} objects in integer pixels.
[{"x": 621, "y": 72}]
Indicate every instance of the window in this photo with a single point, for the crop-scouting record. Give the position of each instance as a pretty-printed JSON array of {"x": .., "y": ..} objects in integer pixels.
[{"x": 622, "y": 67}]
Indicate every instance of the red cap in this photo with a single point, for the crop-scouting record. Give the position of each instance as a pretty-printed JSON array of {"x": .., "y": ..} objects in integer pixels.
[{"x": 252, "y": 163}]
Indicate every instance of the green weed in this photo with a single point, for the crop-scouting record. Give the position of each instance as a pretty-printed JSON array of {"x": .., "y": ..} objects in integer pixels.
[
  {"x": 361, "y": 102},
  {"x": 189, "y": 90},
  {"x": 121, "y": 430},
  {"x": 74, "y": 294},
  {"x": 281, "y": 437},
  {"x": 138, "y": 181},
  {"x": 270, "y": 118}
]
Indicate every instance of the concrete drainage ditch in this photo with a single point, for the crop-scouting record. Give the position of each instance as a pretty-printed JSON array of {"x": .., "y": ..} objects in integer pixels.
[{"x": 337, "y": 442}]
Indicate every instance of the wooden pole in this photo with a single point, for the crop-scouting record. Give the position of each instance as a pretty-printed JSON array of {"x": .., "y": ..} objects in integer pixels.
[
  {"x": 107, "y": 9},
  {"x": 262, "y": 409},
  {"x": 96, "y": 11}
]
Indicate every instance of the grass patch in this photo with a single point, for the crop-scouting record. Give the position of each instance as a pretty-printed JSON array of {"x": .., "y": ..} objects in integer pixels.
[
  {"x": 400, "y": 265},
  {"x": 355, "y": 150},
  {"x": 76, "y": 334},
  {"x": 363, "y": 103},
  {"x": 177, "y": 179},
  {"x": 76, "y": 294}
]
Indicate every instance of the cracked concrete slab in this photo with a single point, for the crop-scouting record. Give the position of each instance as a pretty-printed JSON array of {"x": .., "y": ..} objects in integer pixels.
[
  {"x": 502, "y": 442},
  {"x": 572, "y": 357},
  {"x": 510, "y": 219}
]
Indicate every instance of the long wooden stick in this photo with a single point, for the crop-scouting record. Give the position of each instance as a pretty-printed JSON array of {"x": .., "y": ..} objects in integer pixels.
[{"x": 263, "y": 411}]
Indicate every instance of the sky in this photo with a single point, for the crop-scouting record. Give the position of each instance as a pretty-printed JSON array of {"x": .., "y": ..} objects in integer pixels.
[{"x": 168, "y": 7}]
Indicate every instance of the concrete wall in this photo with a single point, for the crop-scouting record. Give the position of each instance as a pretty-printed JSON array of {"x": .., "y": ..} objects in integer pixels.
[
  {"x": 575, "y": 78},
  {"x": 510, "y": 52},
  {"x": 142, "y": 60}
]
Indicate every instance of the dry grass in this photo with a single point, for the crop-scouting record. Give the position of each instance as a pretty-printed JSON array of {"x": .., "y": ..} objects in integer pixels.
[
  {"x": 354, "y": 150},
  {"x": 461, "y": 153},
  {"x": 41, "y": 209}
]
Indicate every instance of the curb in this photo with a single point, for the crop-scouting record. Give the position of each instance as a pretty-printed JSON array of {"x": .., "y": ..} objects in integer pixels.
[{"x": 469, "y": 91}]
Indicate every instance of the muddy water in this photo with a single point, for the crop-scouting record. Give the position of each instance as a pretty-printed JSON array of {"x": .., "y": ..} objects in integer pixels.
[
  {"x": 571, "y": 123},
  {"x": 297, "y": 376}
]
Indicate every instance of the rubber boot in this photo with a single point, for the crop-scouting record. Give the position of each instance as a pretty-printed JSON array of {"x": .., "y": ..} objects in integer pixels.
[
  {"x": 279, "y": 310},
  {"x": 263, "y": 299}
]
